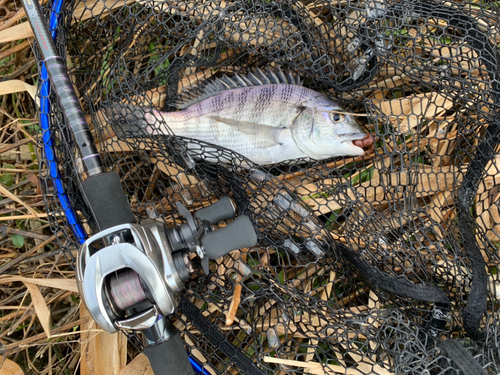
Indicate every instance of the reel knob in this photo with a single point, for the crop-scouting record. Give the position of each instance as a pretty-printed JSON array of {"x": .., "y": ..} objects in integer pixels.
[
  {"x": 198, "y": 235},
  {"x": 237, "y": 235},
  {"x": 223, "y": 209}
]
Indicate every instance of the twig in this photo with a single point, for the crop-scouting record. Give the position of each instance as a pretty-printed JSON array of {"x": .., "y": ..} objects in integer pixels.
[
  {"x": 16, "y": 48},
  {"x": 11, "y": 264},
  {"x": 19, "y": 71},
  {"x": 22, "y": 217},
  {"x": 15, "y": 186},
  {"x": 20, "y": 14},
  {"x": 14, "y": 307},
  {"x": 231, "y": 313},
  {"x": 7, "y": 193},
  {"x": 9, "y": 201},
  {"x": 10, "y": 146},
  {"x": 4, "y": 230},
  {"x": 19, "y": 345},
  {"x": 42, "y": 256},
  {"x": 27, "y": 135},
  {"x": 13, "y": 296},
  {"x": 6, "y": 211},
  {"x": 291, "y": 362}
]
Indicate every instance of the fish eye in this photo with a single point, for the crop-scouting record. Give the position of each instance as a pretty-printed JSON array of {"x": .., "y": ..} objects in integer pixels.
[{"x": 337, "y": 117}]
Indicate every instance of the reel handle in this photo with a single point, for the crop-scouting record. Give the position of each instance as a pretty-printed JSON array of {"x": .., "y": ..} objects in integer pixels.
[
  {"x": 223, "y": 209},
  {"x": 238, "y": 234},
  {"x": 169, "y": 357}
]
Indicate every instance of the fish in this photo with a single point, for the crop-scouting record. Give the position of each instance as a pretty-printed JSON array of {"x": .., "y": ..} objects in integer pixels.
[{"x": 267, "y": 116}]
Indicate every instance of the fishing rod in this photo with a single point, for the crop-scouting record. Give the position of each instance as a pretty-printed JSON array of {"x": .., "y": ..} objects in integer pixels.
[
  {"x": 47, "y": 140},
  {"x": 129, "y": 274}
]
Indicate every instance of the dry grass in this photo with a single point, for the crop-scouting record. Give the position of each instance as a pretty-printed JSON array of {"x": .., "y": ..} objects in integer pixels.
[{"x": 39, "y": 304}]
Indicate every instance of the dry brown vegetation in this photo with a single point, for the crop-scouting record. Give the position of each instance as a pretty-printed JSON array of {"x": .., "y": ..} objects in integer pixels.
[
  {"x": 41, "y": 329},
  {"x": 45, "y": 328}
]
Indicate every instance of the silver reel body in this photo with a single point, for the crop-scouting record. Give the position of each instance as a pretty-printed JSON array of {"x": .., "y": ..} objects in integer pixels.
[
  {"x": 143, "y": 249},
  {"x": 130, "y": 276}
]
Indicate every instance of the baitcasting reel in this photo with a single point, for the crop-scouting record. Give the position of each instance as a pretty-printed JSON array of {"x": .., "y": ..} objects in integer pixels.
[{"x": 130, "y": 275}]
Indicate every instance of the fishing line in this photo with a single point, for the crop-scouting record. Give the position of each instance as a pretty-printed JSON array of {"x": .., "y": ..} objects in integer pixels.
[
  {"x": 126, "y": 289},
  {"x": 347, "y": 113}
]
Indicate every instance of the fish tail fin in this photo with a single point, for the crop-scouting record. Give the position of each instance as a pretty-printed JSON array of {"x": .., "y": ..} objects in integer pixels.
[{"x": 129, "y": 121}]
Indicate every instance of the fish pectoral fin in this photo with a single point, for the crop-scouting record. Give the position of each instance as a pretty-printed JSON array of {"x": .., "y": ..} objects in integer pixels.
[
  {"x": 267, "y": 135},
  {"x": 247, "y": 127}
]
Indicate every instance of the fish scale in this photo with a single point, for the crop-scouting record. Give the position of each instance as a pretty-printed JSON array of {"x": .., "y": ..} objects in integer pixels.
[{"x": 265, "y": 116}]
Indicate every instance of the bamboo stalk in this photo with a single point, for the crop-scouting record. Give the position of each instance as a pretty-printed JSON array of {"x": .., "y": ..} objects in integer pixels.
[{"x": 103, "y": 353}]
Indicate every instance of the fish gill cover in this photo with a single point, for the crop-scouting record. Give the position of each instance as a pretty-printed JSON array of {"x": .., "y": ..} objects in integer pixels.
[{"x": 384, "y": 262}]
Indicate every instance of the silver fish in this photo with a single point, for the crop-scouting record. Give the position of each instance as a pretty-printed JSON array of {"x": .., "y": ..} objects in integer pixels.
[{"x": 268, "y": 117}]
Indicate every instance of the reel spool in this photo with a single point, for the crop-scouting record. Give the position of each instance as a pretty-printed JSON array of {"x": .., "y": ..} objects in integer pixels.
[
  {"x": 130, "y": 275},
  {"x": 124, "y": 289}
]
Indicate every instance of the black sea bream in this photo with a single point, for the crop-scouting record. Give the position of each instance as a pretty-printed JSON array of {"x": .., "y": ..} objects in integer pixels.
[{"x": 269, "y": 117}]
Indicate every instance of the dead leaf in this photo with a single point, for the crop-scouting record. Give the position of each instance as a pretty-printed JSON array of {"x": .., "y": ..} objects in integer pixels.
[
  {"x": 102, "y": 353},
  {"x": 15, "y": 85},
  {"x": 42, "y": 311},
  {"x": 16, "y": 32},
  {"x": 64, "y": 284},
  {"x": 10, "y": 368}
]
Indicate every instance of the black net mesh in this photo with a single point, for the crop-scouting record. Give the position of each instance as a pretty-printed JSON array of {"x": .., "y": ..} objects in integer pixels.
[{"x": 372, "y": 264}]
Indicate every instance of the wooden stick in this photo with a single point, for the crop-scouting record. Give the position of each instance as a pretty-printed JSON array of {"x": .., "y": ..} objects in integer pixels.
[
  {"x": 231, "y": 313},
  {"x": 139, "y": 365}
]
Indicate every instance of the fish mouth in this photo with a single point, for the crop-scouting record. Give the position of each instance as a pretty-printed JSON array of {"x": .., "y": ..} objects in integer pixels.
[
  {"x": 362, "y": 141},
  {"x": 351, "y": 136}
]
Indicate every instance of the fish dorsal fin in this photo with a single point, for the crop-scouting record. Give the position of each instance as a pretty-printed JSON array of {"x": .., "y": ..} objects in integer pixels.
[{"x": 213, "y": 86}]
